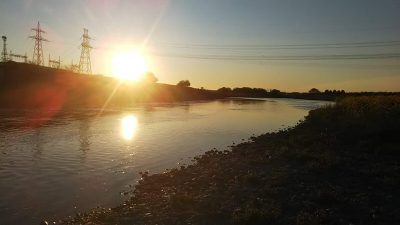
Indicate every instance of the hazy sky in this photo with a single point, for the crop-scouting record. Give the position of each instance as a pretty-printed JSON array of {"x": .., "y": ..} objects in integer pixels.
[{"x": 186, "y": 39}]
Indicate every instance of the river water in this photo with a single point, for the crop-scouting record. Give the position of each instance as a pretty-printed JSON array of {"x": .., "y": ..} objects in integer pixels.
[{"x": 54, "y": 164}]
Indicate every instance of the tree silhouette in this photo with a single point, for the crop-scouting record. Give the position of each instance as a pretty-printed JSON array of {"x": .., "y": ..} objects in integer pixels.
[
  {"x": 183, "y": 83},
  {"x": 314, "y": 91},
  {"x": 224, "y": 90}
]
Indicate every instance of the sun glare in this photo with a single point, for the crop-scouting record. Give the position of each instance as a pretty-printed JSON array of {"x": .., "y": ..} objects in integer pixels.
[
  {"x": 128, "y": 127},
  {"x": 129, "y": 65}
]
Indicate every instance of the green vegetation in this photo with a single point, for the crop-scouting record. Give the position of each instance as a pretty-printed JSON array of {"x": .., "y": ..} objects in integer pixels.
[{"x": 339, "y": 166}]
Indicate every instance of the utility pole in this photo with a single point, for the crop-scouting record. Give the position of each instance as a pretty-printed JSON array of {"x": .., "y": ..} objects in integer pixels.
[
  {"x": 84, "y": 62},
  {"x": 4, "y": 52},
  {"x": 38, "y": 49}
]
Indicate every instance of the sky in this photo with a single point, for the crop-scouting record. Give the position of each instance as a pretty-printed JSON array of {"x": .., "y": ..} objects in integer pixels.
[{"x": 224, "y": 43}]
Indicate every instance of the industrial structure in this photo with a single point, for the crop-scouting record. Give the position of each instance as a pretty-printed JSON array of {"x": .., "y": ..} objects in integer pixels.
[
  {"x": 84, "y": 66},
  {"x": 55, "y": 63},
  {"x": 38, "y": 49},
  {"x": 74, "y": 67},
  {"x": 84, "y": 62},
  {"x": 18, "y": 56},
  {"x": 4, "y": 57}
]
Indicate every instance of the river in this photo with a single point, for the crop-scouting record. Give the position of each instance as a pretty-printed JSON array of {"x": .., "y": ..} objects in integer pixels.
[{"x": 54, "y": 164}]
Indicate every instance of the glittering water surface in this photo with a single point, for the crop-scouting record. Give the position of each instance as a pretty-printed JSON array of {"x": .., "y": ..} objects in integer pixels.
[{"x": 54, "y": 164}]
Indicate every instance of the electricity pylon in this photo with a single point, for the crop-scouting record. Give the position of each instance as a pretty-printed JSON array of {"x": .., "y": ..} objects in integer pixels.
[
  {"x": 38, "y": 49},
  {"x": 84, "y": 62}
]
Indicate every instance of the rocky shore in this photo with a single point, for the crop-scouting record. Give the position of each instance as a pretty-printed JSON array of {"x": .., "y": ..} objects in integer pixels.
[{"x": 341, "y": 165}]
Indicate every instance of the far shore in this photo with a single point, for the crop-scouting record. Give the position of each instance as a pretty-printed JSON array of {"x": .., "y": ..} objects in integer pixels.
[{"x": 32, "y": 86}]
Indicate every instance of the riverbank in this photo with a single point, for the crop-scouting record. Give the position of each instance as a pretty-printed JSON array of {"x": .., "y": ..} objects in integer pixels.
[
  {"x": 37, "y": 87},
  {"x": 28, "y": 86},
  {"x": 339, "y": 166}
]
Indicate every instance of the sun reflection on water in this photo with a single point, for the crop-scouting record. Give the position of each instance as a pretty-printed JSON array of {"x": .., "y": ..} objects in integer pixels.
[{"x": 128, "y": 127}]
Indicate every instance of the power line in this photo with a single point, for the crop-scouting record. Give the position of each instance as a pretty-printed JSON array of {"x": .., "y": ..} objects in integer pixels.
[
  {"x": 277, "y": 47},
  {"x": 261, "y": 57},
  {"x": 259, "y": 47},
  {"x": 371, "y": 43},
  {"x": 282, "y": 58}
]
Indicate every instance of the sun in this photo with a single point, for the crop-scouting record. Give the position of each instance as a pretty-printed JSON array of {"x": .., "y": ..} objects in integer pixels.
[{"x": 129, "y": 65}]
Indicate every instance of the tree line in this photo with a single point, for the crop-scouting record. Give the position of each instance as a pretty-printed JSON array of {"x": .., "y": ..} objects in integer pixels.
[{"x": 313, "y": 93}]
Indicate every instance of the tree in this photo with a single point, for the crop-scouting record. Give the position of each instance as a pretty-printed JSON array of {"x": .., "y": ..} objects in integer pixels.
[
  {"x": 183, "y": 83},
  {"x": 314, "y": 91},
  {"x": 224, "y": 90},
  {"x": 275, "y": 91}
]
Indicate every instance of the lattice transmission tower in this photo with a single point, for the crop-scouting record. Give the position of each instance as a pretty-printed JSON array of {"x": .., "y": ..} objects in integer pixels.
[
  {"x": 84, "y": 62},
  {"x": 38, "y": 49}
]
